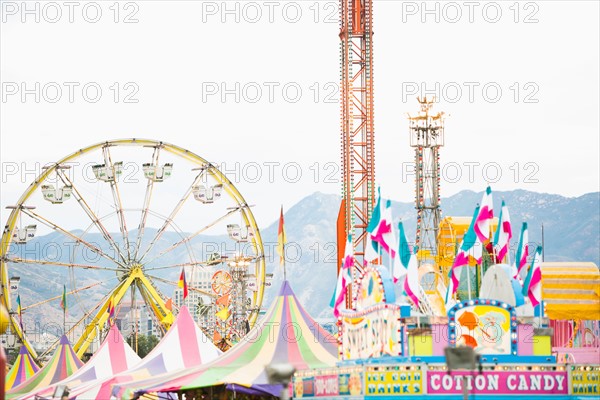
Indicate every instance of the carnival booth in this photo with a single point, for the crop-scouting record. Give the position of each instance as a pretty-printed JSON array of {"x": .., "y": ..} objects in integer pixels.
[
  {"x": 571, "y": 292},
  {"x": 387, "y": 351}
]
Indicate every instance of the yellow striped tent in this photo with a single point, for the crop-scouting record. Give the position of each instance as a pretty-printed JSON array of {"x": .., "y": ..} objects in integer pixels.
[{"x": 571, "y": 290}]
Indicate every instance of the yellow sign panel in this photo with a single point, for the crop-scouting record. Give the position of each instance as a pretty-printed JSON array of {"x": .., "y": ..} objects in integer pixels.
[
  {"x": 373, "y": 335},
  {"x": 586, "y": 382},
  {"x": 393, "y": 382}
]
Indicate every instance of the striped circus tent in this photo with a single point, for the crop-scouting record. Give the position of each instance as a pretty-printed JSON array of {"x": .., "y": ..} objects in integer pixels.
[
  {"x": 184, "y": 346},
  {"x": 113, "y": 356},
  {"x": 286, "y": 334},
  {"x": 571, "y": 290},
  {"x": 64, "y": 362},
  {"x": 23, "y": 368}
]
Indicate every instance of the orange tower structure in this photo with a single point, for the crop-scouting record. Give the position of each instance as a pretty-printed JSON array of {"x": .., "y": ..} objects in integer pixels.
[{"x": 358, "y": 136}]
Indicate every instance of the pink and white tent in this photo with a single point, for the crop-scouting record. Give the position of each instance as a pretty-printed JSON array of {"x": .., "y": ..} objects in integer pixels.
[
  {"x": 285, "y": 334},
  {"x": 113, "y": 356},
  {"x": 182, "y": 347}
]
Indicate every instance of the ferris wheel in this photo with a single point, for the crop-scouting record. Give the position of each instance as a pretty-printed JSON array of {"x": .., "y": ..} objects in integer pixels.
[{"x": 115, "y": 223}]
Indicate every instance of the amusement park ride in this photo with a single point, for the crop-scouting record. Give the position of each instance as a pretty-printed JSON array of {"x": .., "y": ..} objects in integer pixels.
[
  {"x": 113, "y": 184},
  {"x": 427, "y": 136},
  {"x": 357, "y": 122}
]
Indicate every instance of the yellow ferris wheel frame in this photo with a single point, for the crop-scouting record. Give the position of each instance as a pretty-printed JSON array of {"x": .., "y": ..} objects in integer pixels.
[{"x": 136, "y": 277}]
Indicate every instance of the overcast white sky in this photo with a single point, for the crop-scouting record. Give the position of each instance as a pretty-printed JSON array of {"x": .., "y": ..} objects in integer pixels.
[{"x": 176, "y": 57}]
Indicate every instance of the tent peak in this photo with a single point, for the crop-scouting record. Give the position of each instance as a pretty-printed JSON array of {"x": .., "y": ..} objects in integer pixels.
[{"x": 286, "y": 289}]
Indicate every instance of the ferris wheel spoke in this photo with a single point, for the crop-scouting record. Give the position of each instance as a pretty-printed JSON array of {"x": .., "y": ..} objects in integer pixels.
[
  {"x": 172, "y": 283},
  {"x": 114, "y": 297},
  {"x": 71, "y": 292},
  {"x": 58, "y": 264},
  {"x": 57, "y": 228},
  {"x": 147, "y": 198},
  {"x": 188, "y": 264},
  {"x": 91, "y": 215},
  {"x": 82, "y": 319},
  {"x": 173, "y": 214},
  {"x": 117, "y": 200},
  {"x": 193, "y": 235}
]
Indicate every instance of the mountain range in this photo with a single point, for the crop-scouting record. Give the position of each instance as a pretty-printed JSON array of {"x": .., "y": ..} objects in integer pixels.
[{"x": 571, "y": 233}]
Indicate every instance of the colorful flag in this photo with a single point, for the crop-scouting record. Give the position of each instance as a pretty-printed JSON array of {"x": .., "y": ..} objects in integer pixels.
[
  {"x": 344, "y": 278},
  {"x": 470, "y": 246},
  {"x": 384, "y": 234},
  {"x": 169, "y": 304},
  {"x": 533, "y": 283},
  {"x": 402, "y": 259},
  {"x": 183, "y": 284},
  {"x": 371, "y": 250},
  {"x": 485, "y": 216},
  {"x": 63, "y": 300},
  {"x": 111, "y": 312},
  {"x": 281, "y": 239},
  {"x": 19, "y": 311},
  {"x": 409, "y": 266},
  {"x": 522, "y": 253},
  {"x": 376, "y": 214},
  {"x": 503, "y": 234},
  {"x": 372, "y": 247},
  {"x": 411, "y": 283}
]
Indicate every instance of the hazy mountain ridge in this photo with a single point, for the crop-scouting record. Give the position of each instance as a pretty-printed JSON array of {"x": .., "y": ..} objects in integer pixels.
[
  {"x": 571, "y": 230},
  {"x": 571, "y": 233}
]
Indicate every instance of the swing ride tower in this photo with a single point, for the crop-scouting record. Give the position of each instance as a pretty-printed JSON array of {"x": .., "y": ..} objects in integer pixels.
[{"x": 427, "y": 137}]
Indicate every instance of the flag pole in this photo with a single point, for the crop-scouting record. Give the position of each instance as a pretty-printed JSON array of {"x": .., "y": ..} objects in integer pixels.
[
  {"x": 281, "y": 239},
  {"x": 508, "y": 250},
  {"x": 283, "y": 257},
  {"x": 543, "y": 242},
  {"x": 468, "y": 280},
  {"x": 64, "y": 300}
]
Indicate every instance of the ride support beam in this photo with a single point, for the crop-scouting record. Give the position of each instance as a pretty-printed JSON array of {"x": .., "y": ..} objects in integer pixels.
[{"x": 89, "y": 333}]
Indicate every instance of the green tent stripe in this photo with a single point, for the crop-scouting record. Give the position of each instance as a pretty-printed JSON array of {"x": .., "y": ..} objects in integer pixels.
[
  {"x": 249, "y": 351},
  {"x": 307, "y": 354}
]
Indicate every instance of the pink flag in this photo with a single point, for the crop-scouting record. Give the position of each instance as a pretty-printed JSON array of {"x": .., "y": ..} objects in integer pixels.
[
  {"x": 371, "y": 250},
  {"x": 522, "y": 253},
  {"x": 503, "y": 234},
  {"x": 344, "y": 279},
  {"x": 533, "y": 283},
  {"x": 470, "y": 246},
  {"x": 409, "y": 266},
  {"x": 485, "y": 216},
  {"x": 384, "y": 234}
]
